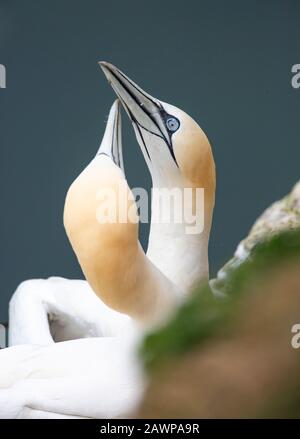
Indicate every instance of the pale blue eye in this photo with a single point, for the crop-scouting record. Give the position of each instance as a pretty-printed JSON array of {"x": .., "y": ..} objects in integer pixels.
[{"x": 172, "y": 124}]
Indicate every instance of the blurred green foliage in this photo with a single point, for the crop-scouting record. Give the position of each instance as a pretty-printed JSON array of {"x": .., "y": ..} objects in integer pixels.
[{"x": 202, "y": 314}]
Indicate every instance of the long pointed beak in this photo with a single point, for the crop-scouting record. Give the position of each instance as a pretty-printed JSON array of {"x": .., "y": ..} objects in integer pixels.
[
  {"x": 145, "y": 111},
  {"x": 111, "y": 144}
]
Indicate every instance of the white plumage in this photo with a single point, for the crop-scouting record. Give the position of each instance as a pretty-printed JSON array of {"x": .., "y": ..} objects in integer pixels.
[{"x": 93, "y": 378}]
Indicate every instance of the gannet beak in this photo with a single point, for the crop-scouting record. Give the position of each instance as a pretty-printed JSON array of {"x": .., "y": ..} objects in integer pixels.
[
  {"x": 111, "y": 144},
  {"x": 146, "y": 112}
]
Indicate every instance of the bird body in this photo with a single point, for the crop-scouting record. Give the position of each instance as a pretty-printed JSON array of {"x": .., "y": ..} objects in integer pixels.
[{"x": 89, "y": 378}]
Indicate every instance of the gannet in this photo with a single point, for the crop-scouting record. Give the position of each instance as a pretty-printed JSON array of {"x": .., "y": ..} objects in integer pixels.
[
  {"x": 179, "y": 156},
  {"x": 70, "y": 378}
]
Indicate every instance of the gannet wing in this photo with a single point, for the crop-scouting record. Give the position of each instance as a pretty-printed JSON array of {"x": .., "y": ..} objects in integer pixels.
[
  {"x": 97, "y": 377},
  {"x": 44, "y": 311}
]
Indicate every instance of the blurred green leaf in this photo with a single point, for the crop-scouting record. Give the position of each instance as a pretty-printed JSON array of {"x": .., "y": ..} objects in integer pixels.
[{"x": 202, "y": 314}]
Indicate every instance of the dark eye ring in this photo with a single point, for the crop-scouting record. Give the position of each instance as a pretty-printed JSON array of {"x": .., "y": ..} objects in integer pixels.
[{"x": 172, "y": 124}]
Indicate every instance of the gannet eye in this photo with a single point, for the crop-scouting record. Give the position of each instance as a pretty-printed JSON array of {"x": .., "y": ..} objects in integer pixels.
[{"x": 172, "y": 124}]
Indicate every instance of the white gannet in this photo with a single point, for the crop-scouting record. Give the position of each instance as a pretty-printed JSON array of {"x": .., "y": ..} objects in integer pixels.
[
  {"x": 182, "y": 257},
  {"x": 99, "y": 377},
  {"x": 179, "y": 156}
]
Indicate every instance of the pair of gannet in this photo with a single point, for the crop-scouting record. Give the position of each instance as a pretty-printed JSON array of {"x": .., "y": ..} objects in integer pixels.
[
  {"x": 100, "y": 377},
  {"x": 174, "y": 162}
]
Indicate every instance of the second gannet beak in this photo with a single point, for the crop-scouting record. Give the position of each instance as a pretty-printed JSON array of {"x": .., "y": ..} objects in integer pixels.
[
  {"x": 147, "y": 113},
  {"x": 111, "y": 144}
]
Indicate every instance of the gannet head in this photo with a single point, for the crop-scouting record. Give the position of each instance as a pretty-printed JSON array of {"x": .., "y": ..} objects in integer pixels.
[{"x": 176, "y": 149}]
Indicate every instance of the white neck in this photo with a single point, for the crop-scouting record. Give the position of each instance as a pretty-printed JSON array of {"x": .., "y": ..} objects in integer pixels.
[{"x": 181, "y": 256}]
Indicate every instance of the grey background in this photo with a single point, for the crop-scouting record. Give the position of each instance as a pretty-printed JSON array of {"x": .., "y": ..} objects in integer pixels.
[{"x": 228, "y": 64}]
